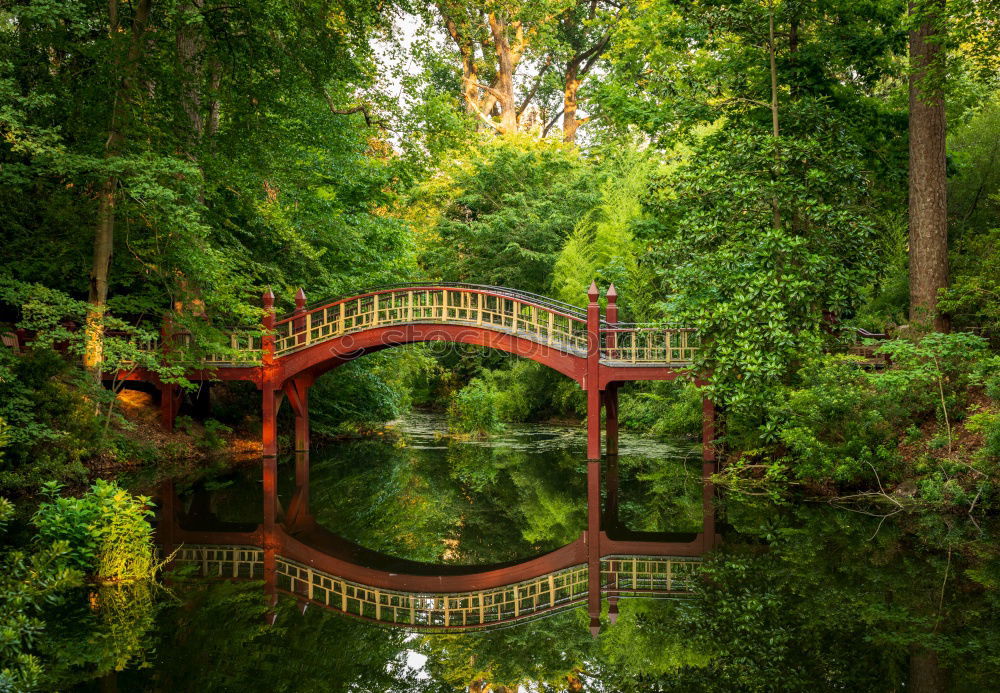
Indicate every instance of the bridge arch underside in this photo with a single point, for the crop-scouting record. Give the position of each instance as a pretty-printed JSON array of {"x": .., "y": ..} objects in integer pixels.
[
  {"x": 317, "y": 359},
  {"x": 320, "y": 568}
]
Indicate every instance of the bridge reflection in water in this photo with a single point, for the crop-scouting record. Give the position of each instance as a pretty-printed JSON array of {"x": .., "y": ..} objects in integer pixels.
[{"x": 293, "y": 555}]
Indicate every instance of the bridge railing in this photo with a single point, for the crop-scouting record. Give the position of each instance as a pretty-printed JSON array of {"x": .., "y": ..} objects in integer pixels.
[
  {"x": 479, "y": 307},
  {"x": 649, "y": 344},
  {"x": 242, "y": 347},
  {"x": 623, "y": 575}
]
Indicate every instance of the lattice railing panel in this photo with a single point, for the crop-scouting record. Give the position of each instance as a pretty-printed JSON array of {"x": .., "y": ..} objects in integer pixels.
[
  {"x": 673, "y": 346},
  {"x": 224, "y": 561},
  {"x": 418, "y": 610},
  {"x": 648, "y": 574},
  {"x": 432, "y": 305}
]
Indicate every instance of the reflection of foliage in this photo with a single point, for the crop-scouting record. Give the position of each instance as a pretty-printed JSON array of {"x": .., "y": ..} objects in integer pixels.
[
  {"x": 106, "y": 529},
  {"x": 667, "y": 497},
  {"x": 107, "y": 630},
  {"x": 805, "y": 595},
  {"x": 647, "y": 639},
  {"x": 29, "y": 583},
  {"x": 549, "y": 651},
  {"x": 219, "y": 641}
]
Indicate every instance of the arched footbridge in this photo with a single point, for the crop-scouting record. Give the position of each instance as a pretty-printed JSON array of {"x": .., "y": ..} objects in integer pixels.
[{"x": 292, "y": 350}]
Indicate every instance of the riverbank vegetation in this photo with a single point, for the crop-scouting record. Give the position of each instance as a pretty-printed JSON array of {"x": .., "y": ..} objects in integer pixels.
[{"x": 774, "y": 175}]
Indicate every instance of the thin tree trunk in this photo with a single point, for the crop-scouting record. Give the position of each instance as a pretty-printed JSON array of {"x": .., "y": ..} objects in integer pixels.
[
  {"x": 928, "y": 183},
  {"x": 926, "y": 674},
  {"x": 105, "y": 228}
]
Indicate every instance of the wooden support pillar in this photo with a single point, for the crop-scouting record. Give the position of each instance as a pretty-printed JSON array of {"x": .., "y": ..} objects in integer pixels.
[
  {"x": 297, "y": 393},
  {"x": 269, "y": 421},
  {"x": 592, "y": 384},
  {"x": 170, "y": 404},
  {"x": 270, "y": 400},
  {"x": 611, "y": 521},
  {"x": 708, "y": 468}
]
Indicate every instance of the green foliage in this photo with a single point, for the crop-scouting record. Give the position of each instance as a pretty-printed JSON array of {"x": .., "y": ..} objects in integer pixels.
[
  {"x": 475, "y": 408},
  {"x": 505, "y": 210},
  {"x": 30, "y": 583},
  {"x": 52, "y": 429},
  {"x": 757, "y": 292},
  {"x": 602, "y": 246},
  {"x": 670, "y": 410},
  {"x": 107, "y": 531},
  {"x": 844, "y": 425}
]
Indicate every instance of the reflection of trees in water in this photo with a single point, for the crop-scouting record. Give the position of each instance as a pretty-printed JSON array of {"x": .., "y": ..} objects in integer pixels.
[
  {"x": 800, "y": 596},
  {"x": 217, "y": 640},
  {"x": 99, "y": 631},
  {"x": 485, "y": 504}
]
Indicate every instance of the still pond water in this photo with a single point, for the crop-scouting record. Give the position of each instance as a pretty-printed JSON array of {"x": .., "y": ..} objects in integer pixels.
[{"x": 416, "y": 495}]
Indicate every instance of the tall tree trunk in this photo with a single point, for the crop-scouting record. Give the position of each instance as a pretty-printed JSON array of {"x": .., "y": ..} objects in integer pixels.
[
  {"x": 504, "y": 83},
  {"x": 570, "y": 122},
  {"x": 190, "y": 52},
  {"x": 928, "y": 183},
  {"x": 105, "y": 228},
  {"x": 775, "y": 211},
  {"x": 926, "y": 674}
]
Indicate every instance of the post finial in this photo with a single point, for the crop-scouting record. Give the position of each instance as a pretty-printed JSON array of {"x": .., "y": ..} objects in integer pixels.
[
  {"x": 592, "y": 292},
  {"x": 612, "y": 293},
  {"x": 300, "y": 298},
  {"x": 267, "y": 298}
]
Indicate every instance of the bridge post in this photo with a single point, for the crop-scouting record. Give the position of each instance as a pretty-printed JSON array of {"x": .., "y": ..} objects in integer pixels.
[
  {"x": 593, "y": 387},
  {"x": 611, "y": 391},
  {"x": 170, "y": 394},
  {"x": 707, "y": 470},
  {"x": 299, "y": 326},
  {"x": 297, "y": 393},
  {"x": 592, "y": 383},
  {"x": 271, "y": 402}
]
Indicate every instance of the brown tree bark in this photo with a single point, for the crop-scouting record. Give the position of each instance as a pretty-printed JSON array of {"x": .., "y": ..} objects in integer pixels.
[
  {"x": 503, "y": 86},
  {"x": 190, "y": 53},
  {"x": 105, "y": 228},
  {"x": 928, "y": 205},
  {"x": 570, "y": 122},
  {"x": 926, "y": 674}
]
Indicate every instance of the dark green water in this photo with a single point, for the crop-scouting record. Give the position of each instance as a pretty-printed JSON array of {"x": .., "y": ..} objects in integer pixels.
[
  {"x": 413, "y": 494},
  {"x": 804, "y": 594}
]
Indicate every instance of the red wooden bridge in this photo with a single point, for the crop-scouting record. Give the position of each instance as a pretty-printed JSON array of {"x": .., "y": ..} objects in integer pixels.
[{"x": 598, "y": 352}]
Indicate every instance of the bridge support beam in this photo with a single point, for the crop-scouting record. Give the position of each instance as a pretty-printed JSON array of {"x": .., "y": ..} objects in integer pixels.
[{"x": 170, "y": 403}]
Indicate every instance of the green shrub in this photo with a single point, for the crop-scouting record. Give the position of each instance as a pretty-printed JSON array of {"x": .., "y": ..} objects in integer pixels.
[
  {"x": 666, "y": 410},
  {"x": 106, "y": 529},
  {"x": 476, "y": 409}
]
